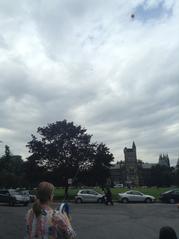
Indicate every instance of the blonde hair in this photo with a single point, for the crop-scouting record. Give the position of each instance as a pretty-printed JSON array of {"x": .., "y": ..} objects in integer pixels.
[{"x": 44, "y": 195}]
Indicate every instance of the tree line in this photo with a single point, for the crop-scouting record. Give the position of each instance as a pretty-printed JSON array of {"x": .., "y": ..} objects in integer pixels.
[{"x": 61, "y": 151}]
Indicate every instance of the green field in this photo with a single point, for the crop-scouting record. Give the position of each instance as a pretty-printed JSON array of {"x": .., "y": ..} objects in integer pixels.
[{"x": 154, "y": 191}]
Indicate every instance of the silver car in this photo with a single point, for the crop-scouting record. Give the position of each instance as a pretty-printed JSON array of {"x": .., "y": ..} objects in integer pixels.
[
  {"x": 89, "y": 195},
  {"x": 135, "y": 196}
]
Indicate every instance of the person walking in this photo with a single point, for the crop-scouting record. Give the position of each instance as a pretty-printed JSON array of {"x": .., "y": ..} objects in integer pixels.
[
  {"x": 108, "y": 196},
  {"x": 44, "y": 222}
]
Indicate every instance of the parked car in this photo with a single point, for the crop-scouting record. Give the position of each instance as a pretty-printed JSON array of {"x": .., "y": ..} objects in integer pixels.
[
  {"x": 88, "y": 195},
  {"x": 32, "y": 197},
  {"x": 13, "y": 197},
  {"x": 119, "y": 186},
  {"x": 135, "y": 196},
  {"x": 171, "y": 196}
]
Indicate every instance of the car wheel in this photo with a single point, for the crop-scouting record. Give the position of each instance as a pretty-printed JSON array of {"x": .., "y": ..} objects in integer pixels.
[
  {"x": 148, "y": 200},
  {"x": 79, "y": 200},
  {"x": 99, "y": 200},
  {"x": 125, "y": 200},
  {"x": 172, "y": 201}
]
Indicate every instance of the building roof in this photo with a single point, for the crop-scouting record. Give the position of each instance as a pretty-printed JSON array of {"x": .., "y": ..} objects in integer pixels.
[
  {"x": 133, "y": 149},
  {"x": 148, "y": 165},
  {"x": 117, "y": 165}
]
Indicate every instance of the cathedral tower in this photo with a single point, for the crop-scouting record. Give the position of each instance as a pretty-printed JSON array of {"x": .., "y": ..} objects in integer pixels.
[{"x": 131, "y": 165}]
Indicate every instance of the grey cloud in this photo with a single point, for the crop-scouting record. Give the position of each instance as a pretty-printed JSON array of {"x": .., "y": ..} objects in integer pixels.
[
  {"x": 13, "y": 79},
  {"x": 88, "y": 62},
  {"x": 68, "y": 24},
  {"x": 2, "y": 42}
]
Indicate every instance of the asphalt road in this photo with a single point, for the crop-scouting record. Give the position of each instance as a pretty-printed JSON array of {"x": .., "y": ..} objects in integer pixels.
[{"x": 97, "y": 221}]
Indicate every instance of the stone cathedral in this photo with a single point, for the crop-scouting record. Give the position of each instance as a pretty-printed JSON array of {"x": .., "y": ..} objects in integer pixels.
[{"x": 131, "y": 166}]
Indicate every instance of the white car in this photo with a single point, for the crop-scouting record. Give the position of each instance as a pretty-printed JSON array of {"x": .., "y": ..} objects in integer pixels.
[
  {"x": 135, "y": 196},
  {"x": 12, "y": 197},
  {"x": 89, "y": 195},
  {"x": 32, "y": 197},
  {"x": 119, "y": 186}
]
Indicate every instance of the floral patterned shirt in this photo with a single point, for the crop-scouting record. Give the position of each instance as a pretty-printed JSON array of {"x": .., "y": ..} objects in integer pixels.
[{"x": 49, "y": 225}]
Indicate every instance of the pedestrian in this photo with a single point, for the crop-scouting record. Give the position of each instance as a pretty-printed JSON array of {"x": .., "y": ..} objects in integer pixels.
[
  {"x": 167, "y": 233},
  {"x": 108, "y": 196},
  {"x": 104, "y": 196},
  {"x": 44, "y": 222}
]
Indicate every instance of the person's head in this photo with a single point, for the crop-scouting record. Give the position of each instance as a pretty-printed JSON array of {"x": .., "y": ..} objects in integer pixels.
[
  {"x": 167, "y": 233},
  {"x": 44, "y": 196},
  {"x": 45, "y": 192}
]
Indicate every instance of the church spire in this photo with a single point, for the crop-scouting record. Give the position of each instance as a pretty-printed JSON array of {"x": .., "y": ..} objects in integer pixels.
[{"x": 133, "y": 145}]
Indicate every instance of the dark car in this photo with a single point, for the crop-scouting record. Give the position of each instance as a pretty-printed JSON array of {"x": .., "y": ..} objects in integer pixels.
[
  {"x": 171, "y": 196},
  {"x": 12, "y": 197}
]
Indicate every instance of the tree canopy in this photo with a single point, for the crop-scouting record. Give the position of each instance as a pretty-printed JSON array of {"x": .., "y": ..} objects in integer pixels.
[
  {"x": 63, "y": 149},
  {"x": 11, "y": 169}
]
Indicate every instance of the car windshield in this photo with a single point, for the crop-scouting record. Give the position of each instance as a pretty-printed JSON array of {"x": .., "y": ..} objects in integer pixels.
[
  {"x": 169, "y": 191},
  {"x": 23, "y": 192},
  {"x": 14, "y": 192},
  {"x": 82, "y": 192}
]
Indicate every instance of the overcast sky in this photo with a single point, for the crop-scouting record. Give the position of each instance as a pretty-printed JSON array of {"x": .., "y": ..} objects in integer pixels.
[{"x": 90, "y": 62}]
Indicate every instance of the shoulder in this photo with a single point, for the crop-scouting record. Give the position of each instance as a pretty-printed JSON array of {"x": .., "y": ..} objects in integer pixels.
[{"x": 61, "y": 221}]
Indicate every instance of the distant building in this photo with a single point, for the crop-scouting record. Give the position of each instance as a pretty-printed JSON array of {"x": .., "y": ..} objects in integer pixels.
[
  {"x": 131, "y": 167},
  {"x": 164, "y": 160},
  {"x": 145, "y": 176},
  {"x": 131, "y": 171},
  {"x": 134, "y": 172},
  {"x": 148, "y": 165},
  {"x": 126, "y": 172},
  {"x": 118, "y": 173}
]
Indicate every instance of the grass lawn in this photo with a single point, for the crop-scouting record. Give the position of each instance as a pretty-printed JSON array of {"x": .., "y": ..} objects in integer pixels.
[{"x": 154, "y": 191}]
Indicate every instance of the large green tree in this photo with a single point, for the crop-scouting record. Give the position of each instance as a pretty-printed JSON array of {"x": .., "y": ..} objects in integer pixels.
[{"x": 61, "y": 148}]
